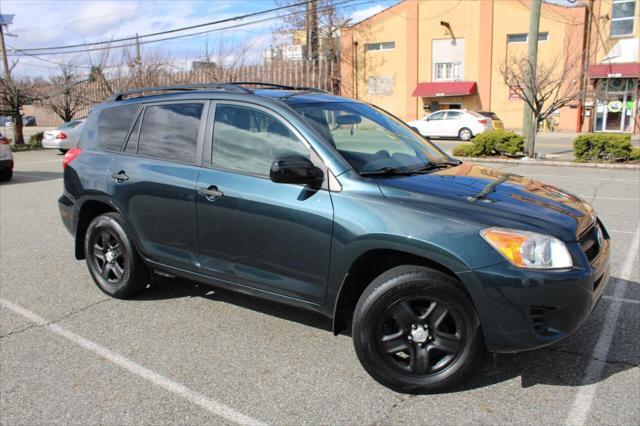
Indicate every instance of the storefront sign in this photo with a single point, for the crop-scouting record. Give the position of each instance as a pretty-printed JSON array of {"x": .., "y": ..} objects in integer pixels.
[{"x": 615, "y": 106}]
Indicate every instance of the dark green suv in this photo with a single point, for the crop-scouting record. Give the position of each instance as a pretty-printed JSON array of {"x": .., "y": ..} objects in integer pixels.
[{"x": 333, "y": 205}]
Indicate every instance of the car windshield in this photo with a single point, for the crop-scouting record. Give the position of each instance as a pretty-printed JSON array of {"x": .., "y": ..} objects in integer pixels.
[{"x": 370, "y": 139}]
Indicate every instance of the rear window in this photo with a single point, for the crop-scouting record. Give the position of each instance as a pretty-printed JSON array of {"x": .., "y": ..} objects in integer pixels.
[
  {"x": 70, "y": 124},
  {"x": 170, "y": 132},
  {"x": 113, "y": 126}
]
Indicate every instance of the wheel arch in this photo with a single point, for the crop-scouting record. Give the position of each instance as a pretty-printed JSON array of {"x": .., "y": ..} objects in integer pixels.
[
  {"x": 89, "y": 210},
  {"x": 366, "y": 268}
]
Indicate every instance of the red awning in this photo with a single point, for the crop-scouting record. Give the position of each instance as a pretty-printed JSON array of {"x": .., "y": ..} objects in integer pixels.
[
  {"x": 615, "y": 70},
  {"x": 445, "y": 88}
]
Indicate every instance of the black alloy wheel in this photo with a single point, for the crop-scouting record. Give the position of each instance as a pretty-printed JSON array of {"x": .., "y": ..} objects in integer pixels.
[
  {"x": 420, "y": 335},
  {"x": 108, "y": 256}
]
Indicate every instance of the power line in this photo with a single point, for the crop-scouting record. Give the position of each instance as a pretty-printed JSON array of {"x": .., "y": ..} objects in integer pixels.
[
  {"x": 24, "y": 52},
  {"x": 174, "y": 30}
]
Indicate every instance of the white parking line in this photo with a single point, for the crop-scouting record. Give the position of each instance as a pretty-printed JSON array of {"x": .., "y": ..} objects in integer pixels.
[
  {"x": 159, "y": 380},
  {"x": 621, "y": 299},
  {"x": 620, "y": 232},
  {"x": 582, "y": 404},
  {"x": 57, "y": 160}
]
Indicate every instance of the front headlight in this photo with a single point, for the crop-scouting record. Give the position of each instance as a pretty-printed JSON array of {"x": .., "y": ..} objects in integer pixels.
[{"x": 526, "y": 249}]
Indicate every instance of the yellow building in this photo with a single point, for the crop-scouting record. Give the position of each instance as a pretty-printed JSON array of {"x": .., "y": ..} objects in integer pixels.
[
  {"x": 613, "y": 37},
  {"x": 423, "y": 55}
]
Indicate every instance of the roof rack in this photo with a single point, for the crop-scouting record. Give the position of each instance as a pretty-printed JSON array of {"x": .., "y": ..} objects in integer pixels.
[
  {"x": 229, "y": 87},
  {"x": 278, "y": 86}
]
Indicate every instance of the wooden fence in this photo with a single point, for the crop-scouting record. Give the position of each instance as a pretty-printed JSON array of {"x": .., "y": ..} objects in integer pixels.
[{"x": 290, "y": 73}]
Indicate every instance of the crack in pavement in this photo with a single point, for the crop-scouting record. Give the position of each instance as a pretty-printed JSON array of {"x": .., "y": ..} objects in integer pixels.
[
  {"x": 621, "y": 363},
  {"x": 55, "y": 321}
]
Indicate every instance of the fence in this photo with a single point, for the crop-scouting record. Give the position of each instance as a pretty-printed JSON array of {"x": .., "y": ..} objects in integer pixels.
[{"x": 290, "y": 73}]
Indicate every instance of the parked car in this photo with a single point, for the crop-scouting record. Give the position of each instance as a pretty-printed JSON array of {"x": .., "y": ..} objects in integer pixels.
[
  {"x": 6, "y": 159},
  {"x": 452, "y": 123},
  {"x": 64, "y": 137},
  {"x": 330, "y": 204},
  {"x": 29, "y": 120},
  {"x": 495, "y": 120},
  {"x": 6, "y": 121}
]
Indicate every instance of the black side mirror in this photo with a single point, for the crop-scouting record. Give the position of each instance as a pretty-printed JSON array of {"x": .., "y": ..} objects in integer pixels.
[{"x": 296, "y": 169}]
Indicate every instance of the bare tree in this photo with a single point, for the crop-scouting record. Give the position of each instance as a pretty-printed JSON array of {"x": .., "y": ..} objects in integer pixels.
[
  {"x": 64, "y": 97},
  {"x": 14, "y": 94},
  {"x": 555, "y": 83}
]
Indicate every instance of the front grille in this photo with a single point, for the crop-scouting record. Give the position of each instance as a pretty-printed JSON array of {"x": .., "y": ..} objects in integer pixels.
[{"x": 589, "y": 242}]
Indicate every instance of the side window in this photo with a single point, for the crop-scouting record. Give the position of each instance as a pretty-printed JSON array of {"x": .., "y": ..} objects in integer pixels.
[
  {"x": 113, "y": 125},
  {"x": 437, "y": 116},
  {"x": 170, "y": 132},
  {"x": 132, "y": 143},
  {"x": 248, "y": 140},
  {"x": 452, "y": 115}
]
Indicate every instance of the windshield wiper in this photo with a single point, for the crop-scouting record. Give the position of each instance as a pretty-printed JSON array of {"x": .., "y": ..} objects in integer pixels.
[
  {"x": 435, "y": 165},
  {"x": 386, "y": 171}
]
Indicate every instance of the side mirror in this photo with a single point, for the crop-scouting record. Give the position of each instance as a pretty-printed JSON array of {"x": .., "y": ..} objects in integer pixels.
[{"x": 297, "y": 170}]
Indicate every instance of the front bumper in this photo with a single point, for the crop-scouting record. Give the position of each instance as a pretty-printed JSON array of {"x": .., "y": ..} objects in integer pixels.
[{"x": 524, "y": 309}]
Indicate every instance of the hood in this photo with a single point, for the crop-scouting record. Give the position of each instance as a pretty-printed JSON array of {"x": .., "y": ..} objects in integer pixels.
[{"x": 493, "y": 198}]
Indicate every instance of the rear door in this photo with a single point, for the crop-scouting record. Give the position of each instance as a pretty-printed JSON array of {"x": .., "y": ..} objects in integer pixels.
[
  {"x": 453, "y": 122},
  {"x": 154, "y": 178},
  {"x": 269, "y": 236}
]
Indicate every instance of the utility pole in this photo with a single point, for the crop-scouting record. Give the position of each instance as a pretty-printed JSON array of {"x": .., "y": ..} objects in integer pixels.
[
  {"x": 138, "y": 60},
  {"x": 5, "y": 63},
  {"x": 529, "y": 122},
  {"x": 312, "y": 40}
]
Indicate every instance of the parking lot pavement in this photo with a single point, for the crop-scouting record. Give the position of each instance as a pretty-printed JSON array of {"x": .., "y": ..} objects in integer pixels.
[{"x": 186, "y": 353}]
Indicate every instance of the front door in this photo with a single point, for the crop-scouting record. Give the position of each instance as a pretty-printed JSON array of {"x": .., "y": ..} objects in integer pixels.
[{"x": 253, "y": 232}]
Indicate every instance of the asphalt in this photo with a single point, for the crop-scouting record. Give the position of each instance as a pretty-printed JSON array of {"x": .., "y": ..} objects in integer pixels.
[{"x": 189, "y": 354}]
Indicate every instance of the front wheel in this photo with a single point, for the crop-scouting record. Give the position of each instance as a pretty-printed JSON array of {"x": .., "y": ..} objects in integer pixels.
[
  {"x": 6, "y": 174},
  {"x": 113, "y": 262},
  {"x": 465, "y": 134},
  {"x": 415, "y": 330},
  {"x": 64, "y": 151}
]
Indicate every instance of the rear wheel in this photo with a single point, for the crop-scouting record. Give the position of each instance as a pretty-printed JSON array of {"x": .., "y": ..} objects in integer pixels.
[
  {"x": 113, "y": 262},
  {"x": 416, "y": 331},
  {"x": 64, "y": 151},
  {"x": 465, "y": 134}
]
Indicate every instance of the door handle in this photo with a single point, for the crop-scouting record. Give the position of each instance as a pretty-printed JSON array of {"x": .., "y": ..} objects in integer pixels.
[
  {"x": 120, "y": 176},
  {"x": 211, "y": 193}
]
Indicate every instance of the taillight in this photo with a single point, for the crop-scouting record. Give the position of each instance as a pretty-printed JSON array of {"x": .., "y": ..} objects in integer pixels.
[
  {"x": 61, "y": 135},
  {"x": 4, "y": 141},
  {"x": 483, "y": 121},
  {"x": 69, "y": 156}
]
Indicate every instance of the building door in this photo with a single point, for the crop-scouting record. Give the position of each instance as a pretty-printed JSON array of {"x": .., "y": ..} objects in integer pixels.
[{"x": 614, "y": 105}]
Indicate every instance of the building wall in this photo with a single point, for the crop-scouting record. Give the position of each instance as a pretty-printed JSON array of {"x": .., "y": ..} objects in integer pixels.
[{"x": 484, "y": 26}]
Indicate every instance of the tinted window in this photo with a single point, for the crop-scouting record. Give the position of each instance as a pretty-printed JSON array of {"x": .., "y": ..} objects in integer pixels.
[
  {"x": 248, "y": 140},
  {"x": 451, "y": 115},
  {"x": 113, "y": 126},
  {"x": 70, "y": 124},
  {"x": 170, "y": 132},
  {"x": 436, "y": 116}
]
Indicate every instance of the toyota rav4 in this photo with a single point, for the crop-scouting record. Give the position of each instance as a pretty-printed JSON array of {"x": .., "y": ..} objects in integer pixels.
[{"x": 336, "y": 206}]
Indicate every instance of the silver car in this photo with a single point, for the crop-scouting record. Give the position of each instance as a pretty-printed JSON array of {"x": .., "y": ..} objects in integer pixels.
[
  {"x": 6, "y": 158},
  {"x": 64, "y": 137}
]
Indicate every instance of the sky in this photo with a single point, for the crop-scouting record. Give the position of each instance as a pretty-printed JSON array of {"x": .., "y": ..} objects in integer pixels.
[{"x": 63, "y": 22}]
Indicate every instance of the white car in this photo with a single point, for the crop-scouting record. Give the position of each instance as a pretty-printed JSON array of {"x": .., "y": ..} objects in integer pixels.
[
  {"x": 452, "y": 123},
  {"x": 64, "y": 137},
  {"x": 6, "y": 158}
]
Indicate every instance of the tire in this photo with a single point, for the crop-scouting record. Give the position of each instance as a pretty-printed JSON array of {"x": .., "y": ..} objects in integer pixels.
[
  {"x": 465, "y": 134},
  {"x": 113, "y": 262},
  {"x": 417, "y": 360},
  {"x": 64, "y": 151},
  {"x": 6, "y": 175}
]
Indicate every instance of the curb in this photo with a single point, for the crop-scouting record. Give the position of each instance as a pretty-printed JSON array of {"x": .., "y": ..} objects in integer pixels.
[{"x": 551, "y": 163}]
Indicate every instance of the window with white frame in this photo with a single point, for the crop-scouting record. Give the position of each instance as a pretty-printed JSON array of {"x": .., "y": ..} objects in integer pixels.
[
  {"x": 387, "y": 45},
  {"x": 448, "y": 71},
  {"x": 524, "y": 37},
  {"x": 447, "y": 59},
  {"x": 622, "y": 18}
]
